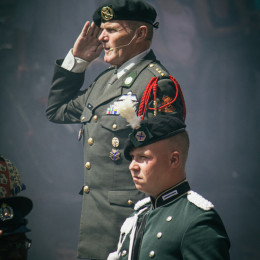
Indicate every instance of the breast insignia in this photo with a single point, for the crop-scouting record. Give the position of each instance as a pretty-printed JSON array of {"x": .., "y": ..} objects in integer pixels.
[{"x": 199, "y": 201}]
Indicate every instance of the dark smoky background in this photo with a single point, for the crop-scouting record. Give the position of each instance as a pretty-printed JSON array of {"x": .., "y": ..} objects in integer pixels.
[{"x": 211, "y": 47}]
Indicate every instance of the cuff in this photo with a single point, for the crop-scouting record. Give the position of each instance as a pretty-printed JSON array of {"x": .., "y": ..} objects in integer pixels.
[{"x": 74, "y": 64}]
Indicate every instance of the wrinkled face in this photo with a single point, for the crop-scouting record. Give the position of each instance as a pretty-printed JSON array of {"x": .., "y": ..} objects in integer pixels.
[
  {"x": 116, "y": 34},
  {"x": 150, "y": 168}
]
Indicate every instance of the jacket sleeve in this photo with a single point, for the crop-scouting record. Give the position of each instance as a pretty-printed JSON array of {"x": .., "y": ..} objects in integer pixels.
[
  {"x": 206, "y": 238},
  {"x": 65, "y": 101}
]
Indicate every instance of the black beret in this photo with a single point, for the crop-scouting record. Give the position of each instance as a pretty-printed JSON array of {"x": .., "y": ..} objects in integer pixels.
[
  {"x": 152, "y": 130},
  {"x": 136, "y": 10},
  {"x": 12, "y": 213}
]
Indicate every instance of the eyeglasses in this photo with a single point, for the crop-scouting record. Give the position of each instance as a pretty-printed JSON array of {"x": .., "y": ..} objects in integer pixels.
[{"x": 23, "y": 244}]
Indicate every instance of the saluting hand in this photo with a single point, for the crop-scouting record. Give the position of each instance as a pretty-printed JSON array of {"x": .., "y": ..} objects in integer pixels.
[{"x": 87, "y": 45}]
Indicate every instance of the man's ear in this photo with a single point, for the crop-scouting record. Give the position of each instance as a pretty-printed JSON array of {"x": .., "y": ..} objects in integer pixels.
[
  {"x": 175, "y": 159},
  {"x": 141, "y": 33}
]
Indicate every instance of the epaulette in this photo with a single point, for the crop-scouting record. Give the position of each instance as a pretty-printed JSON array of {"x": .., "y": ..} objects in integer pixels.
[
  {"x": 199, "y": 201},
  {"x": 141, "y": 203},
  {"x": 157, "y": 70}
]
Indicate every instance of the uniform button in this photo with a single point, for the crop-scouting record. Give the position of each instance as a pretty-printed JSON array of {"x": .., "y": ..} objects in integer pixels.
[
  {"x": 86, "y": 189},
  {"x": 90, "y": 141},
  {"x": 129, "y": 202},
  {"x": 159, "y": 234},
  {"x": 95, "y": 117},
  {"x": 157, "y": 69},
  {"x": 151, "y": 65},
  {"x": 168, "y": 219},
  {"x": 88, "y": 165},
  {"x": 124, "y": 253},
  {"x": 162, "y": 74},
  {"x": 152, "y": 254},
  {"x": 82, "y": 118},
  {"x": 114, "y": 126}
]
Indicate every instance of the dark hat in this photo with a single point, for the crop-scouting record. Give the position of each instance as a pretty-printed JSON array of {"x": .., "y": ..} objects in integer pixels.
[
  {"x": 136, "y": 10},
  {"x": 152, "y": 130},
  {"x": 12, "y": 213}
]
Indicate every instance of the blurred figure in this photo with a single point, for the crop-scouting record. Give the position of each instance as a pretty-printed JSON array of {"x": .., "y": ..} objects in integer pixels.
[{"x": 14, "y": 243}]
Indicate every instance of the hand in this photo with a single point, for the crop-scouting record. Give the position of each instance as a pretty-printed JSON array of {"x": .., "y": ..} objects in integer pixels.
[{"x": 87, "y": 46}]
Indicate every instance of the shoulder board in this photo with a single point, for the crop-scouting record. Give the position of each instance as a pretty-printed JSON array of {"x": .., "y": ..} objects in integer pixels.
[
  {"x": 141, "y": 203},
  {"x": 199, "y": 201},
  {"x": 157, "y": 69}
]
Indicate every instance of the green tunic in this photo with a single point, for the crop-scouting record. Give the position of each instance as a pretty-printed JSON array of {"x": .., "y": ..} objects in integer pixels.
[
  {"x": 178, "y": 225},
  {"x": 108, "y": 191}
]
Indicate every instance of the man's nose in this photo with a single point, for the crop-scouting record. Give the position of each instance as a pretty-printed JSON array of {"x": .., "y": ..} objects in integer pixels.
[
  {"x": 133, "y": 165},
  {"x": 103, "y": 36}
]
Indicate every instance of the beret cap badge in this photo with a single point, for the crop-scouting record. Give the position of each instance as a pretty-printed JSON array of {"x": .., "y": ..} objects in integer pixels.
[
  {"x": 107, "y": 13},
  {"x": 6, "y": 212}
]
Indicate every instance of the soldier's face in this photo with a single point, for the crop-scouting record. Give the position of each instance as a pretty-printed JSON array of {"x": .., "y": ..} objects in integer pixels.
[
  {"x": 118, "y": 42},
  {"x": 150, "y": 168}
]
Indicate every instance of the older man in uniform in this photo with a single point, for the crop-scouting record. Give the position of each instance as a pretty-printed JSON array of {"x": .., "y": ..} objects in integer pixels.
[
  {"x": 174, "y": 222},
  {"x": 124, "y": 30}
]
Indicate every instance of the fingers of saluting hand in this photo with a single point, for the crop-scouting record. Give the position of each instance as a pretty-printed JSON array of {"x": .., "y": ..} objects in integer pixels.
[
  {"x": 87, "y": 45},
  {"x": 90, "y": 30}
]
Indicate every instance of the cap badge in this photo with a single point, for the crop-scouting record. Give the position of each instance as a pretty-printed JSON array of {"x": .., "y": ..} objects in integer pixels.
[
  {"x": 107, "y": 13},
  {"x": 140, "y": 136},
  {"x": 114, "y": 155},
  {"x": 6, "y": 212},
  {"x": 115, "y": 142}
]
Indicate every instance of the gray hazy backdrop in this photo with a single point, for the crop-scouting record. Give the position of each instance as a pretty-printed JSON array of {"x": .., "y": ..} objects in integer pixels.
[{"x": 210, "y": 47}]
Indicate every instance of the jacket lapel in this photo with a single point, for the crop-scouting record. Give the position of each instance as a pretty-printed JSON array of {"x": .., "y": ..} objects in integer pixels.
[{"x": 116, "y": 90}]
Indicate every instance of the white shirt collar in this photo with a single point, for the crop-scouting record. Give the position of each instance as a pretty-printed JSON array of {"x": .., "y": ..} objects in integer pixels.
[{"x": 130, "y": 63}]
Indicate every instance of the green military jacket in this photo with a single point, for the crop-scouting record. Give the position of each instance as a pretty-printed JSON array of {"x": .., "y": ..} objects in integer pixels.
[
  {"x": 180, "y": 224},
  {"x": 109, "y": 193}
]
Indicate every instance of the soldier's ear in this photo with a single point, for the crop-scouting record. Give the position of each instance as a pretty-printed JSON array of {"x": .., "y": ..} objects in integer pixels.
[
  {"x": 141, "y": 32},
  {"x": 175, "y": 159}
]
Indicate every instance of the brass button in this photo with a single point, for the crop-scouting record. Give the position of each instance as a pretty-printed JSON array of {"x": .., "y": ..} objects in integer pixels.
[
  {"x": 124, "y": 253},
  {"x": 151, "y": 65},
  {"x": 90, "y": 141},
  {"x": 162, "y": 74},
  {"x": 86, "y": 189},
  {"x": 95, "y": 117},
  {"x": 157, "y": 69},
  {"x": 151, "y": 254},
  {"x": 88, "y": 165},
  {"x": 114, "y": 126},
  {"x": 159, "y": 234},
  {"x": 168, "y": 219},
  {"x": 129, "y": 202},
  {"x": 82, "y": 118}
]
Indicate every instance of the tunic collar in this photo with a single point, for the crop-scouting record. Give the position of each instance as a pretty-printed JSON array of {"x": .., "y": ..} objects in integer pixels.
[
  {"x": 171, "y": 194},
  {"x": 129, "y": 64}
]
